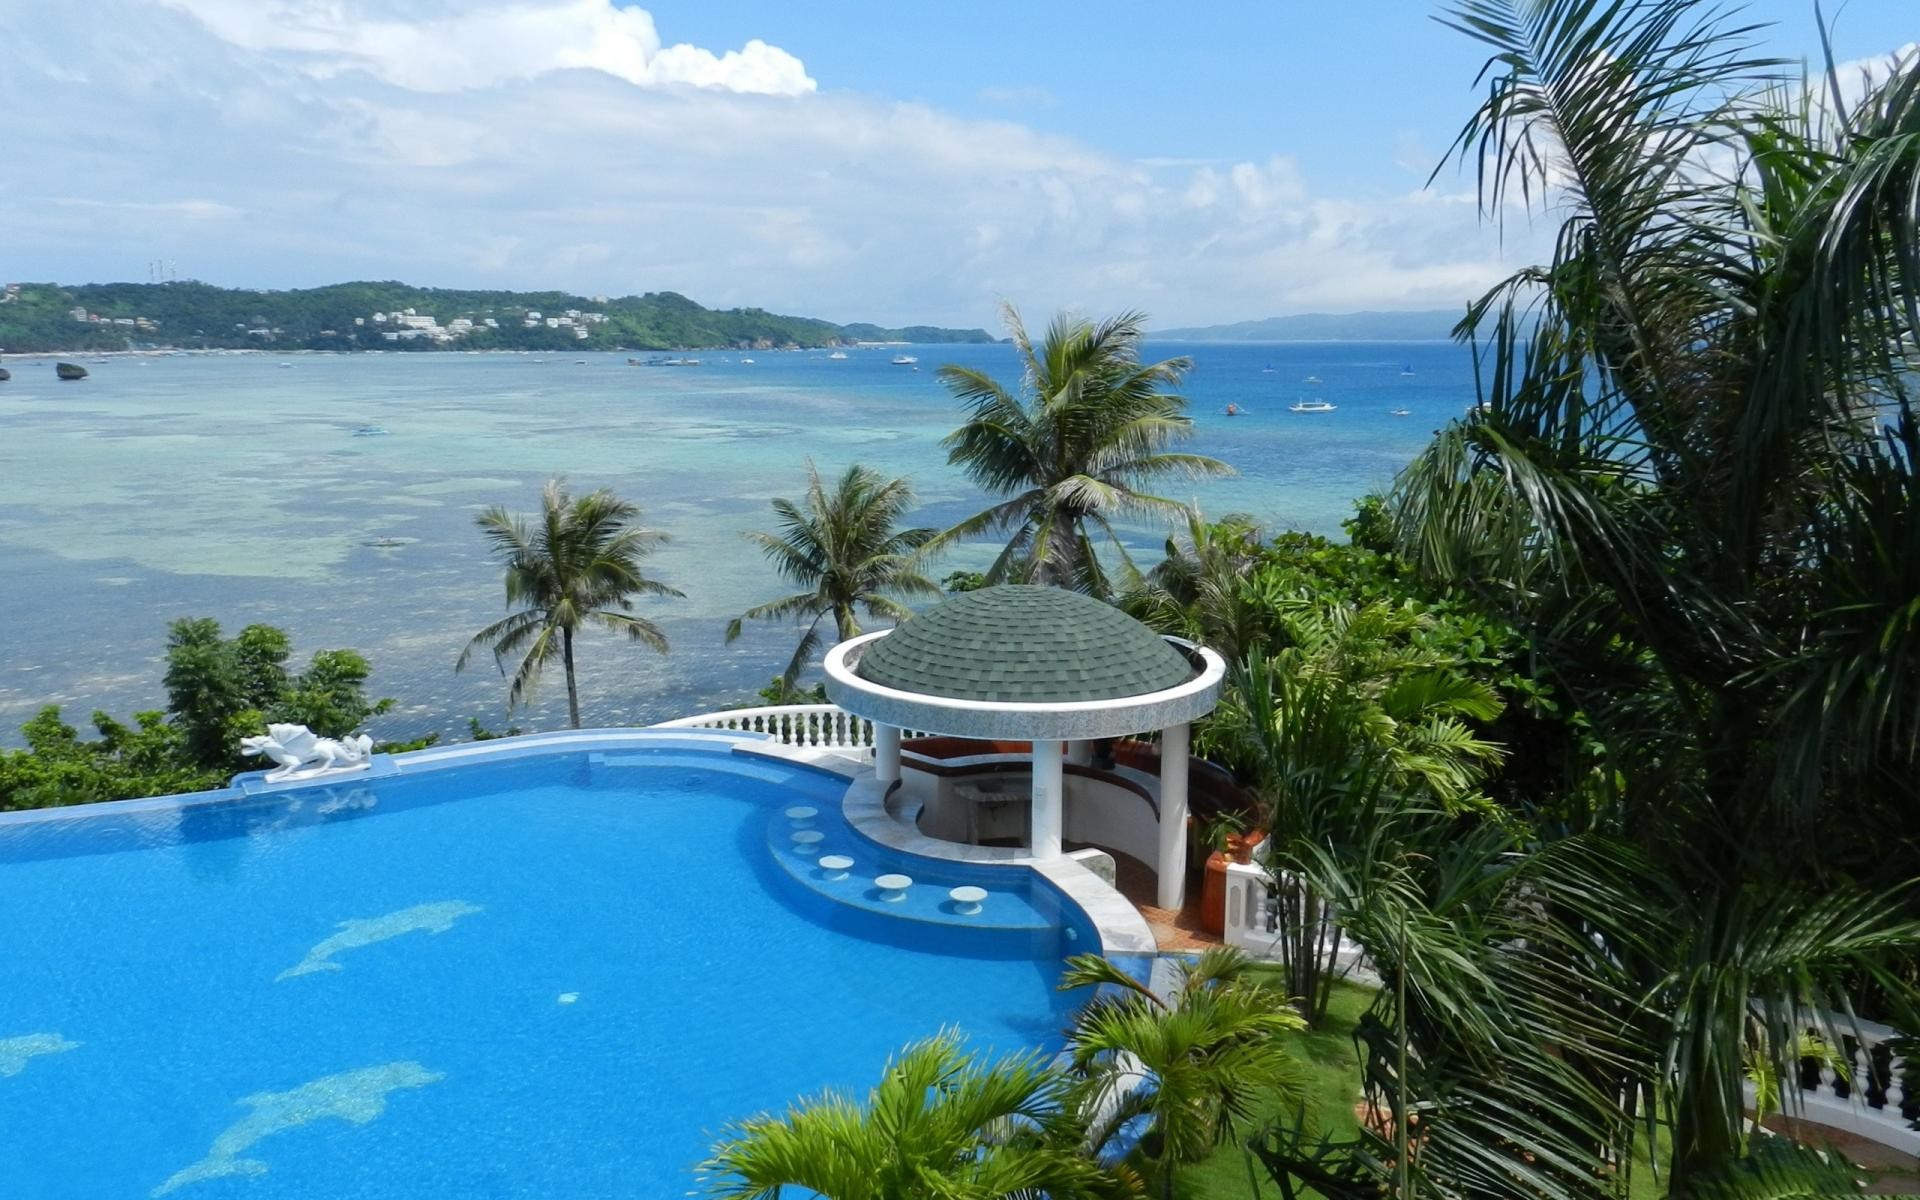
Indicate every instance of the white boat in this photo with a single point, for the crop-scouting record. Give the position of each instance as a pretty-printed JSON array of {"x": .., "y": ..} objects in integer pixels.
[
  {"x": 1406, "y": 372},
  {"x": 1311, "y": 406},
  {"x": 904, "y": 360},
  {"x": 1311, "y": 379},
  {"x": 839, "y": 354},
  {"x": 1400, "y": 412},
  {"x": 746, "y": 362}
]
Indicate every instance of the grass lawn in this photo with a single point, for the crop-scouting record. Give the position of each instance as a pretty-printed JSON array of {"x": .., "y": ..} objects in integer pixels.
[{"x": 1333, "y": 1088}]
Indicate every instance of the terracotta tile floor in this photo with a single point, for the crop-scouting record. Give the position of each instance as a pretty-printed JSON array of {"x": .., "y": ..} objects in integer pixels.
[{"x": 1174, "y": 930}]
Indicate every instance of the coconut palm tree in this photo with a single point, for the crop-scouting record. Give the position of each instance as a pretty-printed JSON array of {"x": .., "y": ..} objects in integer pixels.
[
  {"x": 1692, "y": 481},
  {"x": 1201, "y": 591},
  {"x": 578, "y": 565},
  {"x": 845, "y": 549},
  {"x": 1070, "y": 455},
  {"x": 1348, "y": 720},
  {"x": 942, "y": 1122},
  {"x": 1202, "y": 1066}
]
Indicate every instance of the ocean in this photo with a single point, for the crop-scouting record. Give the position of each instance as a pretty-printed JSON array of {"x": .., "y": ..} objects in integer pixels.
[{"x": 234, "y": 487}]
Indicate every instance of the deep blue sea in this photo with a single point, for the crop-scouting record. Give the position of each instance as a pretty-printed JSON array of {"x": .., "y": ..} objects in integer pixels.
[{"x": 234, "y": 487}]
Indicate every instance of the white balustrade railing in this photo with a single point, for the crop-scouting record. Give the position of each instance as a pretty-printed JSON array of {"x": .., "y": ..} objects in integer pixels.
[
  {"x": 822, "y": 726},
  {"x": 1877, "y": 1097},
  {"x": 1871, "y": 1097}
]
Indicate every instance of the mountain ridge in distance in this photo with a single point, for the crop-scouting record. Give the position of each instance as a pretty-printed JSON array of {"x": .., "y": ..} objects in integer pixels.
[{"x": 1418, "y": 326}]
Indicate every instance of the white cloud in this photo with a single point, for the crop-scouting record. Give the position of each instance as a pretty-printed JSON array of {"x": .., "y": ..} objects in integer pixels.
[
  {"x": 313, "y": 151},
  {"x": 477, "y": 44}
]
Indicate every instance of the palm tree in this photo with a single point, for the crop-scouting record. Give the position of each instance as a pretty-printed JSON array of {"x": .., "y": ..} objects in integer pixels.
[
  {"x": 1201, "y": 591},
  {"x": 844, "y": 549},
  {"x": 1693, "y": 481},
  {"x": 1202, "y": 1066},
  {"x": 1070, "y": 455},
  {"x": 1348, "y": 723},
  {"x": 942, "y": 1122},
  {"x": 580, "y": 566}
]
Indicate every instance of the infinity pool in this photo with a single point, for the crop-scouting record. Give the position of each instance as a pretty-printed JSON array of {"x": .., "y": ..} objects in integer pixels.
[{"x": 545, "y": 976}]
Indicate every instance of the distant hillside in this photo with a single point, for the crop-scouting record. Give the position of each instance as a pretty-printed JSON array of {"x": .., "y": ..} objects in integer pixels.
[
  {"x": 1435, "y": 325},
  {"x": 396, "y": 316}
]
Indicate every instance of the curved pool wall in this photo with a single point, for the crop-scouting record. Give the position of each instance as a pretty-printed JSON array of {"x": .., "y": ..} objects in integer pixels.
[
  {"x": 271, "y": 965},
  {"x": 252, "y": 801}
]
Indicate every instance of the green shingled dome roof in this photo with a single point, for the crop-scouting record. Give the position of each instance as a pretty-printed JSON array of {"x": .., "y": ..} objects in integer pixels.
[{"x": 1024, "y": 644}]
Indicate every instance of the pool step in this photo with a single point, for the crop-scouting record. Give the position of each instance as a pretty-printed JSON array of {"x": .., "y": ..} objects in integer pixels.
[{"x": 818, "y": 851}]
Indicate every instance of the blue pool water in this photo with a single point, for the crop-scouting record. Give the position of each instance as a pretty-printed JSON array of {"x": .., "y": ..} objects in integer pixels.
[{"x": 561, "y": 976}]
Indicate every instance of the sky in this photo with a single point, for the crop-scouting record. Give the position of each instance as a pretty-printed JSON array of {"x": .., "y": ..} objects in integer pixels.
[{"x": 855, "y": 161}]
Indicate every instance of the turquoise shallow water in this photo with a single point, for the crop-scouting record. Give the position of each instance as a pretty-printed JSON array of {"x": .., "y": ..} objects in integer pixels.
[
  {"x": 233, "y": 487},
  {"x": 539, "y": 978}
]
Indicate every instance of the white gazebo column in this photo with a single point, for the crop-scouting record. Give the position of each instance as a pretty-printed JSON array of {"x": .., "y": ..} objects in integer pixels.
[
  {"x": 886, "y": 753},
  {"x": 1047, "y": 800},
  {"x": 1080, "y": 753},
  {"x": 1174, "y": 742}
]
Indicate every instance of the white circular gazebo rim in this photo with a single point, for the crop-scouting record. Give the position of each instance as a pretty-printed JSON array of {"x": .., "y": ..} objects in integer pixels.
[{"x": 1058, "y": 720}]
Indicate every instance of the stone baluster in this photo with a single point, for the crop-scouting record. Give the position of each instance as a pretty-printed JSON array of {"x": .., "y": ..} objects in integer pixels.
[
  {"x": 1896, "y": 1085},
  {"x": 1860, "y": 1078}
]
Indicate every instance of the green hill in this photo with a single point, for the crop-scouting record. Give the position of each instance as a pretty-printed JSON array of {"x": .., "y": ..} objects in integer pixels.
[{"x": 396, "y": 316}]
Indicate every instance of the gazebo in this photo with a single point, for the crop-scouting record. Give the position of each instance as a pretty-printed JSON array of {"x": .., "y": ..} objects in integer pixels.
[{"x": 1040, "y": 665}]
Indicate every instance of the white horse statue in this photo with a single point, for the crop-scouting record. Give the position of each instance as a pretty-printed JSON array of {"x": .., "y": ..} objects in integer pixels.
[{"x": 303, "y": 754}]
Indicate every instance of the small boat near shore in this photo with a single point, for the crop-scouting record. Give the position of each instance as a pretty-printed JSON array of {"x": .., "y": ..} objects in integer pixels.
[
  {"x": 1400, "y": 412},
  {"x": 1311, "y": 379},
  {"x": 839, "y": 355},
  {"x": 67, "y": 370},
  {"x": 1311, "y": 406},
  {"x": 904, "y": 360},
  {"x": 5, "y": 374}
]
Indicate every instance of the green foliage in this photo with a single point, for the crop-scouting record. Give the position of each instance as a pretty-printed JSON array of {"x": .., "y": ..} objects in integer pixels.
[
  {"x": 193, "y": 314},
  {"x": 782, "y": 691},
  {"x": 1224, "y": 587},
  {"x": 846, "y": 550},
  {"x": 579, "y": 566},
  {"x": 208, "y": 688},
  {"x": 941, "y": 1122},
  {"x": 963, "y": 581},
  {"x": 1071, "y": 455},
  {"x": 220, "y": 690},
  {"x": 480, "y": 733},
  {"x": 1202, "y": 1067},
  {"x": 1347, "y": 726},
  {"x": 329, "y": 697},
  {"x": 1690, "y": 488},
  {"x": 58, "y": 767}
]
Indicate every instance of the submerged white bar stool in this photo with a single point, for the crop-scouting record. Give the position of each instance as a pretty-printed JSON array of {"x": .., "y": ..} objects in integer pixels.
[
  {"x": 966, "y": 900},
  {"x": 893, "y": 888}
]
